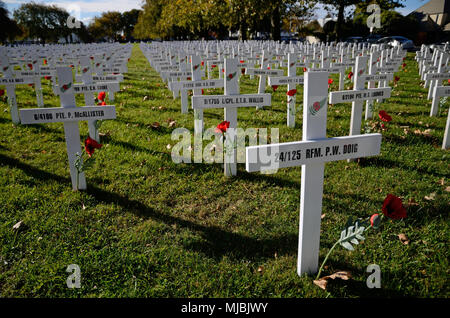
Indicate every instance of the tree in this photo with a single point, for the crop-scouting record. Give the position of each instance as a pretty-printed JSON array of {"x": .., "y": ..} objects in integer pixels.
[
  {"x": 8, "y": 27},
  {"x": 108, "y": 25},
  {"x": 129, "y": 20},
  {"x": 340, "y": 6},
  {"x": 47, "y": 23}
]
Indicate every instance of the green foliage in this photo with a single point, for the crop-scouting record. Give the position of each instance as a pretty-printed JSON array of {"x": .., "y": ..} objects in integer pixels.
[
  {"x": 46, "y": 22},
  {"x": 352, "y": 234},
  {"x": 8, "y": 28}
]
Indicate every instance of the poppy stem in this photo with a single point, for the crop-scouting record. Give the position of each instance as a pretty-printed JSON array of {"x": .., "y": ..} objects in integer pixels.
[{"x": 326, "y": 258}]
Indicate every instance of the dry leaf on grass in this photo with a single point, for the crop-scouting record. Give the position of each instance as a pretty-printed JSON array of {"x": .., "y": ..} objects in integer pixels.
[
  {"x": 323, "y": 281},
  {"x": 156, "y": 125},
  {"x": 403, "y": 238},
  {"x": 430, "y": 197},
  {"x": 17, "y": 225},
  {"x": 261, "y": 269}
]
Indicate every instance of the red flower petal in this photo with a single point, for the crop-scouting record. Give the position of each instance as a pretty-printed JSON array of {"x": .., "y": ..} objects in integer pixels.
[
  {"x": 101, "y": 96},
  {"x": 90, "y": 145},
  {"x": 292, "y": 92},
  {"x": 223, "y": 126},
  {"x": 393, "y": 207},
  {"x": 384, "y": 116}
]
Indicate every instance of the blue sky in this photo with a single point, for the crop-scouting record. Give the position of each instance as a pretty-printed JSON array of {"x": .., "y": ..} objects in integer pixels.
[{"x": 87, "y": 9}]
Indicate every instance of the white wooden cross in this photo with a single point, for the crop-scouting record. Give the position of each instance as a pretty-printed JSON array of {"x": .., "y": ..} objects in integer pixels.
[
  {"x": 291, "y": 80},
  {"x": 311, "y": 154},
  {"x": 359, "y": 94},
  {"x": 87, "y": 89},
  {"x": 10, "y": 83},
  {"x": 70, "y": 115},
  {"x": 437, "y": 90},
  {"x": 184, "y": 86},
  {"x": 230, "y": 101}
]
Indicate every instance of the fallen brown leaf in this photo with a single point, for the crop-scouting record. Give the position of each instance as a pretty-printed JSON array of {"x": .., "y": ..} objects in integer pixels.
[
  {"x": 156, "y": 125},
  {"x": 430, "y": 197},
  {"x": 403, "y": 238},
  {"x": 17, "y": 225},
  {"x": 323, "y": 281}
]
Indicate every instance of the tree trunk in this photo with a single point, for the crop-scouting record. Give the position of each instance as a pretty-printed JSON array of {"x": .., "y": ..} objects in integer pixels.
[
  {"x": 243, "y": 30},
  {"x": 275, "y": 21},
  {"x": 339, "y": 22}
]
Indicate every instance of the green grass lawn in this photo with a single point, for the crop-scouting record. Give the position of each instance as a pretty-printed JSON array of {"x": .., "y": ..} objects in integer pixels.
[{"x": 147, "y": 227}]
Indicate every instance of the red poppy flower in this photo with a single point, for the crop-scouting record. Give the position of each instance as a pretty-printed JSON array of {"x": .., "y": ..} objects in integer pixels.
[
  {"x": 45, "y": 62},
  {"x": 65, "y": 87},
  {"x": 188, "y": 78},
  {"x": 92, "y": 57},
  {"x": 90, "y": 145},
  {"x": 242, "y": 61},
  {"x": 448, "y": 80},
  {"x": 292, "y": 92},
  {"x": 350, "y": 75},
  {"x": 375, "y": 220},
  {"x": 396, "y": 79},
  {"x": 101, "y": 96},
  {"x": 30, "y": 66},
  {"x": 213, "y": 66},
  {"x": 305, "y": 69},
  {"x": 316, "y": 106},
  {"x": 223, "y": 126},
  {"x": 2, "y": 92},
  {"x": 330, "y": 81},
  {"x": 243, "y": 71},
  {"x": 48, "y": 78},
  {"x": 404, "y": 65},
  {"x": 268, "y": 67},
  {"x": 203, "y": 92},
  {"x": 71, "y": 66},
  {"x": 393, "y": 207},
  {"x": 203, "y": 63},
  {"x": 223, "y": 70},
  {"x": 230, "y": 76},
  {"x": 274, "y": 87},
  {"x": 103, "y": 103},
  {"x": 384, "y": 116}
]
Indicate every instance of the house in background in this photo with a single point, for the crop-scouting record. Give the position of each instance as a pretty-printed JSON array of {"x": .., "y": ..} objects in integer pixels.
[{"x": 434, "y": 20}]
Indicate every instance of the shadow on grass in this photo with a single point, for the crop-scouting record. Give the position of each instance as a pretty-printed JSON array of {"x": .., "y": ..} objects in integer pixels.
[
  {"x": 353, "y": 287},
  {"x": 390, "y": 164},
  {"x": 216, "y": 242}
]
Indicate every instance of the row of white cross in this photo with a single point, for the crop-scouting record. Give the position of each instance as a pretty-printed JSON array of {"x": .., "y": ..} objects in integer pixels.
[
  {"x": 95, "y": 76},
  {"x": 434, "y": 68}
]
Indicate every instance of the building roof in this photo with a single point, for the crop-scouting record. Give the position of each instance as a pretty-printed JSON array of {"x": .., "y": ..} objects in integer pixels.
[{"x": 434, "y": 7}]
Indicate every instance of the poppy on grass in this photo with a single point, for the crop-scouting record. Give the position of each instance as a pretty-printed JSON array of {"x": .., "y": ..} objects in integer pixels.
[
  {"x": 101, "y": 96},
  {"x": 90, "y": 145},
  {"x": 223, "y": 126},
  {"x": 393, "y": 207},
  {"x": 384, "y": 116},
  {"x": 292, "y": 92}
]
